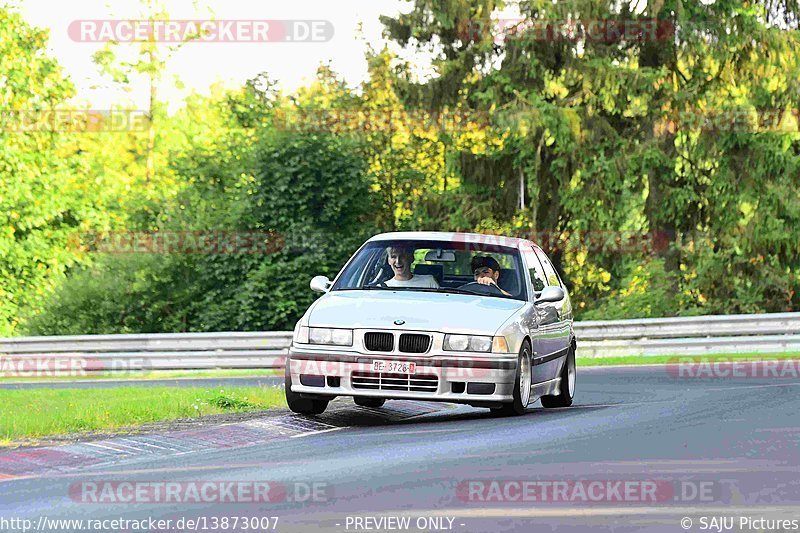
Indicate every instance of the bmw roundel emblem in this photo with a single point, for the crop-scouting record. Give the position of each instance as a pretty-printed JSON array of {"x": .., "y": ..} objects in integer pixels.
[{"x": 399, "y": 322}]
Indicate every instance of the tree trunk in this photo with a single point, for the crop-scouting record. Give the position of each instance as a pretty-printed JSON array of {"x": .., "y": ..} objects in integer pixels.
[{"x": 151, "y": 131}]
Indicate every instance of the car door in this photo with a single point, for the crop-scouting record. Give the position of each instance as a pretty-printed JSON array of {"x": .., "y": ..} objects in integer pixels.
[
  {"x": 554, "y": 343},
  {"x": 544, "y": 323}
]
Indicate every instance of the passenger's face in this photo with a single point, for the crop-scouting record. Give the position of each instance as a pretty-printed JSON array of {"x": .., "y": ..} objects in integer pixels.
[
  {"x": 484, "y": 272},
  {"x": 400, "y": 261}
]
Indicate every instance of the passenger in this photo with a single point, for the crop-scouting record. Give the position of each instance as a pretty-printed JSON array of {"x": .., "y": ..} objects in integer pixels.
[
  {"x": 400, "y": 259},
  {"x": 487, "y": 271}
]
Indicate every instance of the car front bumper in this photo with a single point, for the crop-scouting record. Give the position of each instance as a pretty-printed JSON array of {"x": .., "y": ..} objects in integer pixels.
[{"x": 484, "y": 379}]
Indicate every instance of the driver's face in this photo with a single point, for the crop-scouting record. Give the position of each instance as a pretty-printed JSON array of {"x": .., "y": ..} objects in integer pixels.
[
  {"x": 484, "y": 272},
  {"x": 400, "y": 261}
]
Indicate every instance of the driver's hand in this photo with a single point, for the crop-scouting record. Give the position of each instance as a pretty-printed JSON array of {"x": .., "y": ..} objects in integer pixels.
[{"x": 486, "y": 280}]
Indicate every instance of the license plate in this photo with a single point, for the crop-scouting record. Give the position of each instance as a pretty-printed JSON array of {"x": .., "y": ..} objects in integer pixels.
[{"x": 394, "y": 367}]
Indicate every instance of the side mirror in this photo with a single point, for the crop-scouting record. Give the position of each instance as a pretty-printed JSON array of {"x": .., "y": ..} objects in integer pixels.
[
  {"x": 550, "y": 295},
  {"x": 320, "y": 284}
]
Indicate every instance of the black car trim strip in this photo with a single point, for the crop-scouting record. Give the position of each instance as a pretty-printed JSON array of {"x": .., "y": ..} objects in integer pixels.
[
  {"x": 548, "y": 358},
  {"x": 447, "y": 363}
]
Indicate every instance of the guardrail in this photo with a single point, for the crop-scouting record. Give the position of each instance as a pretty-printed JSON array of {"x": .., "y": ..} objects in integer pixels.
[
  {"x": 156, "y": 351},
  {"x": 699, "y": 335},
  {"x": 763, "y": 333}
]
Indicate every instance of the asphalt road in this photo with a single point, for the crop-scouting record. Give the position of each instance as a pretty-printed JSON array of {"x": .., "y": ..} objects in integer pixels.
[{"x": 725, "y": 448}]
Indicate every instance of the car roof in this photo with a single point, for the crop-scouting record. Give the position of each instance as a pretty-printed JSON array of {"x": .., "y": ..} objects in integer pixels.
[{"x": 449, "y": 236}]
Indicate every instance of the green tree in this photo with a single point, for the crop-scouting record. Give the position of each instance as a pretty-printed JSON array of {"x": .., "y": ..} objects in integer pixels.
[
  {"x": 146, "y": 61},
  {"x": 313, "y": 190},
  {"x": 595, "y": 134},
  {"x": 46, "y": 199}
]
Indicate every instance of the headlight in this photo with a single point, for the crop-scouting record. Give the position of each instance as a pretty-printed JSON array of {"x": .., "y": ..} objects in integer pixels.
[
  {"x": 457, "y": 343},
  {"x": 336, "y": 337},
  {"x": 467, "y": 343},
  {"x": 475, "y": 343},
  {"x": 300, "y": 334}
]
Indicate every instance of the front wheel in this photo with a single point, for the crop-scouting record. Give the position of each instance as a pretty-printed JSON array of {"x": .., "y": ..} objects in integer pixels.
[
  {"x": 522, "y": 385},
  {"x": 299, "y": 404},
  {"x": 567, "y": 384}
]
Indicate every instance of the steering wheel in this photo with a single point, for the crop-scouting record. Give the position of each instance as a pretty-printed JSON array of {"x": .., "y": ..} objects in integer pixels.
[
  {"x": 380, "y": 278},
  {"x": 479, "y": 288}
]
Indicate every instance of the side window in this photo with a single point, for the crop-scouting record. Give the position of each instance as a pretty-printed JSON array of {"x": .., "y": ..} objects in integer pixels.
[
  {"x": 535, "y": 271},
  {"x": 550, "y": 272}
]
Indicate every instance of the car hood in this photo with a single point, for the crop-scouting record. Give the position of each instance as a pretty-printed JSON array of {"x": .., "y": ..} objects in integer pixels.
[{"x": 427, "y": 311}]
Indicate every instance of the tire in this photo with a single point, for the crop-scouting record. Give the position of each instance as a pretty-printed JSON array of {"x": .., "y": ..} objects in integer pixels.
[
  {"x": 522, "y": 385},
  {"x": 369, "y": 402},
  {"x": 567, "y": 385},
  {"x": 299, "y": 404}
]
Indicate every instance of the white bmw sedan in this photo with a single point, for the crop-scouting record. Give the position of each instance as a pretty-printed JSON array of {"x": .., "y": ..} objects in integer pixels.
[{"x": 453, "y": 317}]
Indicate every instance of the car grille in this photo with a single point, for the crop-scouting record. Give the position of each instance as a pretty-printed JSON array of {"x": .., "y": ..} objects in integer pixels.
[
  {"x": 379, "y": 341},
  {"x": 414, "y": 343},
  {"x": 394, "y": 382}
]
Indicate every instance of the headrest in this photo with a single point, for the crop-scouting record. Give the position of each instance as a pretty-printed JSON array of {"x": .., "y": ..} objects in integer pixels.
[
  {"x": 437, "y": 271},
  {"x": 509, "y": 281}
]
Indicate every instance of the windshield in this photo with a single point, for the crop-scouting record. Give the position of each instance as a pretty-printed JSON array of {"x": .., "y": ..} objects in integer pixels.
[{"x": 436, "y": 266}]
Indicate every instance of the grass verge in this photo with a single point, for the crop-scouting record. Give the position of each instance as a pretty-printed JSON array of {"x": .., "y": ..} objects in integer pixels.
[
  {"x": 662, "y": 359},
  {"x": 34, "y": 413},
  {"x": 160, "y": 374}
]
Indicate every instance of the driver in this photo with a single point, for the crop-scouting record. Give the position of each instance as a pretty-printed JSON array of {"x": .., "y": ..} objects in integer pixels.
[
  {"x": 400, "y": 259},
  {"x": 487, "y": 271}
]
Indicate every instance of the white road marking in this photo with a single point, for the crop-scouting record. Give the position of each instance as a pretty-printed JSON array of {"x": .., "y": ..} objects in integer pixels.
[
  {"x": 150, "y": 445},
  {"x": 94, "y": 444},
  {"x": 789, "y": 384},
  {"x": 316, "y": 432}
]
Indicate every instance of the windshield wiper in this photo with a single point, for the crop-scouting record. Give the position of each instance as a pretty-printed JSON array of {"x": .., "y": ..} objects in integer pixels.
[
  {"x": 449, "y": 290},
  {"x": 445, "y": 290},
  {"x": 453, "y": 290},
  {"x": 456, "y": 290}
]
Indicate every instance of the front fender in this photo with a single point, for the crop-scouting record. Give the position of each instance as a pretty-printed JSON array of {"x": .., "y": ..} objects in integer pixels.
[{"x": 517, "y": 328}]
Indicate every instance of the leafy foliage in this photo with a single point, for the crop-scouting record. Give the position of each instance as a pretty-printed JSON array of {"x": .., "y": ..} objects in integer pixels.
[
  {"x": 311, "y": 190},
  {"x": 558, "y": 139},
  {"x": 45, "y": 197}
]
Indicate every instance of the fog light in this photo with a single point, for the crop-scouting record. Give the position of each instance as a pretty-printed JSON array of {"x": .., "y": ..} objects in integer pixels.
[
  {"x": 480, "y": 388},
  {"x": 312, "y": 381}
]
